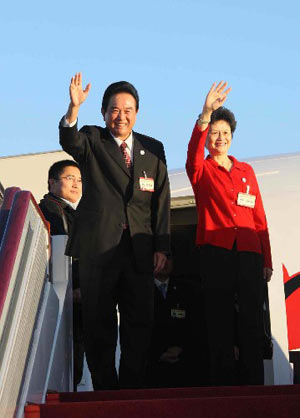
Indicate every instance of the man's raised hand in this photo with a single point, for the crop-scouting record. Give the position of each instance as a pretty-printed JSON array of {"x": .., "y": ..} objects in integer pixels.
[{"x": 77, "y": 94}]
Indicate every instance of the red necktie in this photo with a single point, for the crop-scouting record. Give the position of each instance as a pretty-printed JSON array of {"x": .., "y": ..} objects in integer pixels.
[{"x": 126, "y": 156}]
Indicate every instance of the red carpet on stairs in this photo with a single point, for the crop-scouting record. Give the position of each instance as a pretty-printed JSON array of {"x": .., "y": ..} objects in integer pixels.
[
  {"x": 174, "y": 393},
  {"x": 206, "y": 402}
]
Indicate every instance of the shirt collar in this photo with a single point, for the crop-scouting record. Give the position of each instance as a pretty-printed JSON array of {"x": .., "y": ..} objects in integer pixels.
[
  {"x": 129, "y": 141},
  {"x": 73, "y": 205},
  {"x": 158, "y": 283},
  {"x": 236, "y": 163}
]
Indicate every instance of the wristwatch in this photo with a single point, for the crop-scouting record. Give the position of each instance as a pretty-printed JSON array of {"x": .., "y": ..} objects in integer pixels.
[{"x": 201, "y": 121}]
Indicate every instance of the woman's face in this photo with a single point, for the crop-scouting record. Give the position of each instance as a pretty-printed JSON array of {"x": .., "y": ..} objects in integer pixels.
[{"x": 219, "y": 138}]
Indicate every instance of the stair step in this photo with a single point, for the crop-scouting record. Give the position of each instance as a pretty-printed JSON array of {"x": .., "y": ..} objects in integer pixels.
[
  {"x": 267, "y": 406},
  {"x": 172, "y": 393}
]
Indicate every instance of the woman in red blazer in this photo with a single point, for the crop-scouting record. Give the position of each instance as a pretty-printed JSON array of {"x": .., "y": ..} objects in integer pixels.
[{"x": 233, "y": 240}]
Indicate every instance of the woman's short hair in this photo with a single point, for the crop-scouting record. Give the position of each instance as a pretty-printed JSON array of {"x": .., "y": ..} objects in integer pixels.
[
  {"x": 224, "y": 114},
  {"x": 119, "y": 87}
]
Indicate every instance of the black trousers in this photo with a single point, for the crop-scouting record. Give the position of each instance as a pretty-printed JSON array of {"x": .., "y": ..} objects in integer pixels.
[
  {"x": 78, "y": 343},
  {"x": 229, "y": 276},
  {"x": 103, "y": 288}
]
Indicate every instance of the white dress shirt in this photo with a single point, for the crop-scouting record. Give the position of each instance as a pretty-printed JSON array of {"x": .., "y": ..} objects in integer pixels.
[{"x": 73, "y": 205}]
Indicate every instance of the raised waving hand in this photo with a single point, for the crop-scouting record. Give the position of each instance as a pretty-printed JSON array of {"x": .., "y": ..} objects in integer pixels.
[
  {"x": 77, "y": 96},
  {"x": 215, "y": 98}
]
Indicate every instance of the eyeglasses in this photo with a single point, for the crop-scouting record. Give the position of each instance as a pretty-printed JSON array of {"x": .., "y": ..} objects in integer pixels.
[{"x": 72, "y": 178}]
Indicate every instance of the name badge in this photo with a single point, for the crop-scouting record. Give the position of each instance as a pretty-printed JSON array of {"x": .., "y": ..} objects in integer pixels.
[
  {"x": 246, "y": 199},
  {"x": 146, "y": 184},
  {"x": 178, "y": 313}
]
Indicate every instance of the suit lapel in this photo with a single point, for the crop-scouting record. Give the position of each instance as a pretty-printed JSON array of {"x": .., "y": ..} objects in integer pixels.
[
  {"x": 139, "y": 155},
  {"x": 114, "y": 151}
]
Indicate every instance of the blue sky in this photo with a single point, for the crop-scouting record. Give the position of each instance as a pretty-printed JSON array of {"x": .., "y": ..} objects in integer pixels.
[{"x": 171, "y": 50}]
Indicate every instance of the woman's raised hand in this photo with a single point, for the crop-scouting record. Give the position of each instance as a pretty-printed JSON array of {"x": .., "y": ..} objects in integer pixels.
[
  {"x": 77, "y": 94},
  {"x": 216, "y": 96}
]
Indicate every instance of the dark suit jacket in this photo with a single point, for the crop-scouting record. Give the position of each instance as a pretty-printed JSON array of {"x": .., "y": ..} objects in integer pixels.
[
  {"x": 60, "y": 215},
  {"x": 170, "y": 331},
  {"x": 111, "y": 197}
]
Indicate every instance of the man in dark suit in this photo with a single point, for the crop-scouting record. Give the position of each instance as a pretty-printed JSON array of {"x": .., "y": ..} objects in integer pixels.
[
  {"x": 58, "y": 207},
  {"x": 121, "y": 231},
  {"x": 175, "y": 357}
]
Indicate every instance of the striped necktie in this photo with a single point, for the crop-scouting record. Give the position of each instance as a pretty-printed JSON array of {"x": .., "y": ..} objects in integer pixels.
[{"x": 126, "y": 156}]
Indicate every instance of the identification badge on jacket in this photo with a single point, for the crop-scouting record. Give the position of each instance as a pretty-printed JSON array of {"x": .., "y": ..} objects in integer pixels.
[
  {"x": 246, "y": 199},
  {"x": 178, "y": 313},
  {"x": 146, "y": 184}
]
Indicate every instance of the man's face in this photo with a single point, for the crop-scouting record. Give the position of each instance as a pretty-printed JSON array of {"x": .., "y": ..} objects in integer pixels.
[
  {"x": 120, "y": 115},
  {"x": 164, "y": 274},
  {"x": 69, "y": 185}
]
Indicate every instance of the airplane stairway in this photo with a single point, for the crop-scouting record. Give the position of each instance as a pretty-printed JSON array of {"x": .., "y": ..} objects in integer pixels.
[{"x": 35, "y": 307}]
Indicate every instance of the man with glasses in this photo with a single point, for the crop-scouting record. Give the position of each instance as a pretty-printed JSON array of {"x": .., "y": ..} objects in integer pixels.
[
  {"x": 65, "y": 188},
  {"x": 58, "y": 207}
]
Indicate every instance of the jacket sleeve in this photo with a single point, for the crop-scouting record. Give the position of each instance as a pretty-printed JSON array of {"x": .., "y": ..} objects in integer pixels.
[
  {"x": 161, "y": 206},
  {"x": 261, "y": 225},
  {"x": 74, "y": 142},
  {"x": 54, "y": 214},
  {"x": 195, "y": 155}
]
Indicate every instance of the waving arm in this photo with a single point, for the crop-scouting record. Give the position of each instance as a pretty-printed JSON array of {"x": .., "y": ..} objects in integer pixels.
[
  {"x": 215, "y": 98},
  {"x": 77, "y": 97}
]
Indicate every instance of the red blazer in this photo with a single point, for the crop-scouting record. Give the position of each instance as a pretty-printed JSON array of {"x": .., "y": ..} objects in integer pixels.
[{"x": 221, "y": 221}]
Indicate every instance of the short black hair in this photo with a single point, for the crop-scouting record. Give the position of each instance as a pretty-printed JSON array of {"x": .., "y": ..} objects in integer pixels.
[
  {"x": 224, "y": 114},
  {"x": 119, "y": 87},
  {"x": 57, "y": 168}
]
